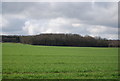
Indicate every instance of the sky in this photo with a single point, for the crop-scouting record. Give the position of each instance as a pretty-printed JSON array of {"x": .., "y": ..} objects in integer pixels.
[{"x": 84, "y": 18}]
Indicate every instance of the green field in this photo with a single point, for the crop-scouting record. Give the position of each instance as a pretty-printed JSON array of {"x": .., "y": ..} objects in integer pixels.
[
  {"x": 22, "y": 61},
  {"x": 0, "y": 61}
]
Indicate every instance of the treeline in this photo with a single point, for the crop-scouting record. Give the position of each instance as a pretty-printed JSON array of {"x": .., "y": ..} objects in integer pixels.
[
  {"x": 15, "y": 39},
  {"x": 62, "y": 40}
]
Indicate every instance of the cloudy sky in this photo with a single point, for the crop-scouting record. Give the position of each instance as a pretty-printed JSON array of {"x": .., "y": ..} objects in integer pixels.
[{"x": 84, "y": 18}]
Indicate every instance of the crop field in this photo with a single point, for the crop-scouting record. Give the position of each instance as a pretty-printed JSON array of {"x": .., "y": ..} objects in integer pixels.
[
  {"x": 22, "y": 61},
  {"x": 0, "y": 61}
]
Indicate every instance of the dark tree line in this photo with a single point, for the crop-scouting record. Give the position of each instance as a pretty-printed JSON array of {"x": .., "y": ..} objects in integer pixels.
[
  {"x": 62, "y": 40},
  {"x": 15, "y": 39}
]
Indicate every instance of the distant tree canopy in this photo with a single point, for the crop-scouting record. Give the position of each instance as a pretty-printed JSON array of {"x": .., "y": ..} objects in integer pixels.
[
  {"x": 62, "y": 40},
  {"x": 15, "y": 39}
]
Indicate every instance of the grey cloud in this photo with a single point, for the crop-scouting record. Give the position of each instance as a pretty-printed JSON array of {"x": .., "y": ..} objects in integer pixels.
[
  {"x": 15, "y": 7},
  {"x": 100, "y": 15},
  {"x": 13, "y": 25},
  {"x": 0, "y": 8},
  {"x": 91, "y": 14}
]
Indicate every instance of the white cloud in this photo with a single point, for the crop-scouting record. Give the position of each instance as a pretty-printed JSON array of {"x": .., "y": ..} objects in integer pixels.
[
  {"x": 76, "y": 25},
  {"x": 4, "y": 22},
  {"x": 58, "y": 25},
  {"x": 97, "y": 29},
  {"x": 103, "y": 31},
  {"x": 63, "y": 25},
  {"x": 32, "y": 27},
  {"x": 80, "y": 18}
]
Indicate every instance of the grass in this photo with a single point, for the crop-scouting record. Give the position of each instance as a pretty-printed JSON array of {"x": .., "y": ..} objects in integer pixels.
[
  {"x": 0, "y": 61},
  {"x": 53, "y": 62}
]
